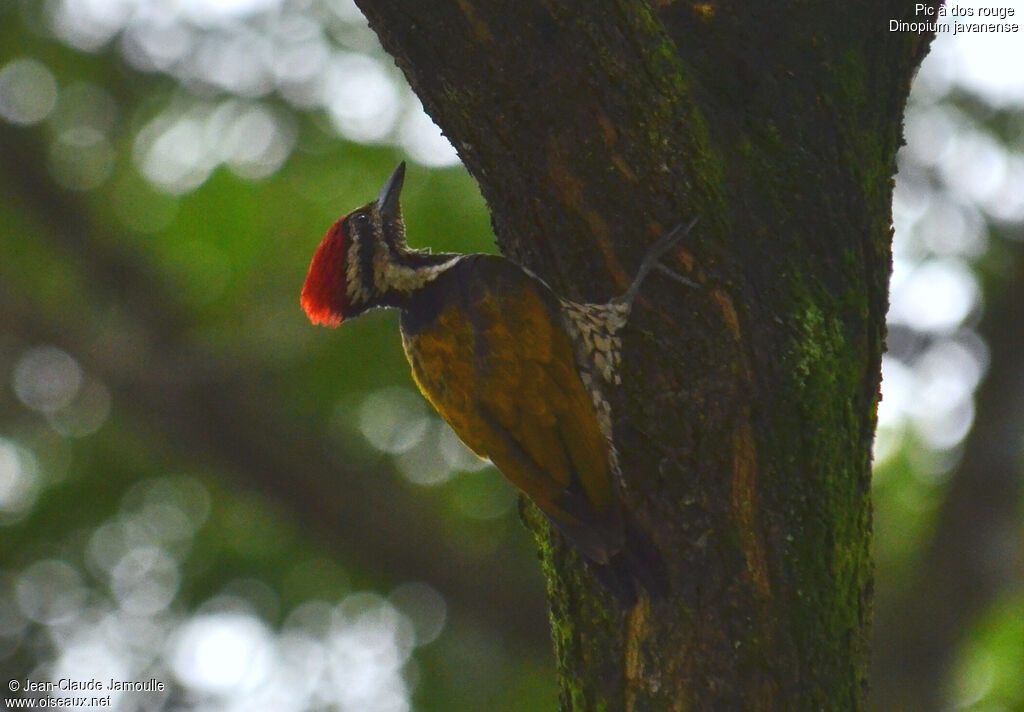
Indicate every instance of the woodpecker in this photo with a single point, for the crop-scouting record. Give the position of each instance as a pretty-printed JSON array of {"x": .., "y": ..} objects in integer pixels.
[{"x": 519, "y": 373}]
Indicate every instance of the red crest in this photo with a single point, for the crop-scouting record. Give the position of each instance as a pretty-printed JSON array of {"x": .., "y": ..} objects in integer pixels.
[{"x": 324, "y": 296}]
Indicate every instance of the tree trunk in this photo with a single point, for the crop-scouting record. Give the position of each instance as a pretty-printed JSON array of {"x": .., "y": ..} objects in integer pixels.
[{"x": 747, "y": 410}]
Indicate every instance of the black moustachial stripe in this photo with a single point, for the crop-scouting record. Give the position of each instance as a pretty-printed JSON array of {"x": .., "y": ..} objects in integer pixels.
[{"x": 362, "y": 242}]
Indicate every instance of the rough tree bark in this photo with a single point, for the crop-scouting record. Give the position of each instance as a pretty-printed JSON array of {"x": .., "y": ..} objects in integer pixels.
[{"x": 748, "y": 405}]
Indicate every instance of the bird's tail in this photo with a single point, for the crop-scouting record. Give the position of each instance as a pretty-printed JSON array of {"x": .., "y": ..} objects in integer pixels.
[
  {"x": 618, "y": 551},
  {"x": 638, "y": 565}
]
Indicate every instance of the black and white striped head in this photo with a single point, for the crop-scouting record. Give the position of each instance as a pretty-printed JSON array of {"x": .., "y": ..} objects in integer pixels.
[{"x": 352, "y": 270}]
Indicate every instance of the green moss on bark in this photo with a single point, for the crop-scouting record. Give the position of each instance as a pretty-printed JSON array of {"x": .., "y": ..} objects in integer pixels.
[{"x": 746, "y": 414}]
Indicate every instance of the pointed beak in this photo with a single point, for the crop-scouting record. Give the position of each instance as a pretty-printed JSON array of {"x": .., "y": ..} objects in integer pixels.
[{"x": 387, "y": 201}]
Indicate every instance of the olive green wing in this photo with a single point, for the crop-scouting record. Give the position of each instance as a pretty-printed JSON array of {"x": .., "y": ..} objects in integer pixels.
[{"x": 499, "y": 367}]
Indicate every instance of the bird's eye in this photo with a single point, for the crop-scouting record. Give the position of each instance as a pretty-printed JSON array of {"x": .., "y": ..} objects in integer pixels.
[{"x": 361, "y": 219}]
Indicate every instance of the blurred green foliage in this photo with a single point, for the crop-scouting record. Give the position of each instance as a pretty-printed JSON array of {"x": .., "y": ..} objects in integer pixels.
[
  {"x": 154, "y": 294},
  {"x": 178, "y": 445}
]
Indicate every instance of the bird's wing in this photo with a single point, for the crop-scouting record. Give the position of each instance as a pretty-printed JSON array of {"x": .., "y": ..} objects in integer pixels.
[{"x": 501, "y": 370}]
